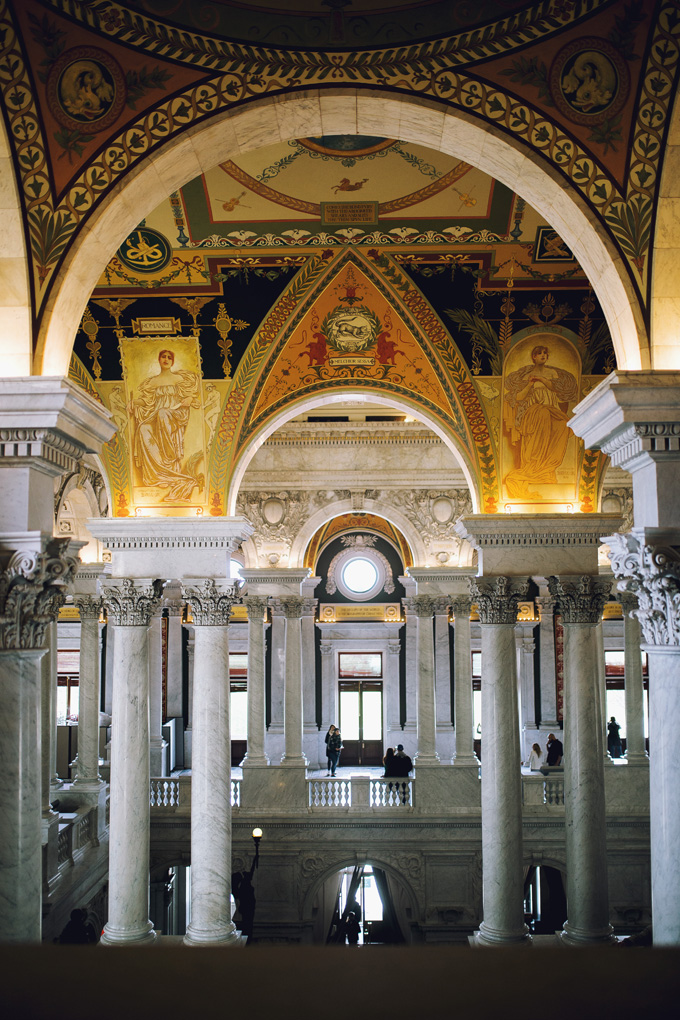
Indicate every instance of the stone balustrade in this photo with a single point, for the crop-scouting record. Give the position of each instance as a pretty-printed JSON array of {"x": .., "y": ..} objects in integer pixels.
[{"x": 77, "y": 830}]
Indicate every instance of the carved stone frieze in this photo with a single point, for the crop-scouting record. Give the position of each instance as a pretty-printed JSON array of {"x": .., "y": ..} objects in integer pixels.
[
  {"x": 432, "y": 511},
  {"x": 652, "y": 574},
  {"x": 580, "y": 600},
  {"x": 128, "y": 604},
  {"x": 640, "y": 438},
  {"x": 497, "y": 599},
  {"x": 32, "y": 587},
  {"x": 619, "y": 501},
  {"x": 211, "y": 604},
  {"x": 278, "y": 516}
]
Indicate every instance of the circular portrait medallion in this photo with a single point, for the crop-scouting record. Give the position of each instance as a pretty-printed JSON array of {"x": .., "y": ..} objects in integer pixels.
[
  {"x": 86, "y": 90},
  {"x": 589, "y": 81},
  {"x": 145, "y": 251}
]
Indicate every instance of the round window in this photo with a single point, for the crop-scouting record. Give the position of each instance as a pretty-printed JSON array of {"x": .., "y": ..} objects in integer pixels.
[{"x": 359, "y": 575}]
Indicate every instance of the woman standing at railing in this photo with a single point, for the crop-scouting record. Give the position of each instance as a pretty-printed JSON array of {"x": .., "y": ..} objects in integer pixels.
[
  {"x": 334, "y": 748},
  {"x": 535, "y": 758}
]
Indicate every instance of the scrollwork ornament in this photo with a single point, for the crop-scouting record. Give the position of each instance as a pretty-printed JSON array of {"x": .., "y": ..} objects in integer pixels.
[
  {"x": 497, "y": 599},
  {"x": 211, "y": 605},
  {"x": 652, "y": 574},
  {"x": 581, "y": 600},
  {"x": 128, "y": 605},
  {"x": 32, "y": 588}
]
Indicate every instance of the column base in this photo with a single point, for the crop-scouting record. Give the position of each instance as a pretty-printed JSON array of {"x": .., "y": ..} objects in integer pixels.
[
  {"x": 486, "y": 938},
  {"x": 294, "y": 761},
  {"x": 426, "y": 759},
  {"x": 227, "y": 936},
  {"x": 638, "y": 758},
  {"x": 574, "y": 937},
  {"x": 145, "y": 936},
  {"x": 468, "y": 760},
  {"x": 258, "y": 761}
]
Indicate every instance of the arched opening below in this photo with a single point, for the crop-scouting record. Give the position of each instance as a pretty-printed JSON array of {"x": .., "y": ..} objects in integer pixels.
[
  {"x": 545, "y": 899},
  {"x": 362, "y": 905}
]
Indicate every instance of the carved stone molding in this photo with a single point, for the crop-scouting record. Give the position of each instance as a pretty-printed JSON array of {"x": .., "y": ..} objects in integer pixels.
[
  {"x": 363, "y": 545},
  {"x": 53, "y": 450},
  {"x": 211, "y": 604},
  {"x": 128, "y": 604},
  {"x": 325, "y": 649},
  {"x": 580, "y": 600},
  {"x": 257, "y": 607},
  {"x": 497, "y": 599},
  {"x": 651, "y": 572},
  {"x": 89, "y": 606},
  {"x": 432, "y": 511},
  {"x": 32, "y": 587},
  {"x": 639, "y": 438},
  {"x": 309, "y": 606}
]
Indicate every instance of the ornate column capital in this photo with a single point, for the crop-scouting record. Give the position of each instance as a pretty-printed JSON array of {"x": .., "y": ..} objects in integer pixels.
[
  {"x": 461, "y": 606},
  {"x": 422, "y": 605},
  {"x": 128, "y": 604},
  {"x": 650, "y": 572},
  {"x": 32, "y": 587},
  {"x": 309, "y": 606},
  {"x": 211, "y": 603},
  {"x": 256, "y": 605},
  {"x": 497, "y": 598},
  {"x": 581, "y": 599},
  {"x": 325, "y": 649},
  {"x": 441, "y": 605},
  {"x": 89, "y": 606},
  {"x": 290, "y": 606},
  {"x": 629, "y": 602},
  {"x": 546, "y": 605}
]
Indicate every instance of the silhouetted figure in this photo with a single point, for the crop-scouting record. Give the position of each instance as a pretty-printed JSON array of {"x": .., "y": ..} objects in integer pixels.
[
  {"x": 614, "y": 738},
  {"x": 78, "y": 931},
  {"x": 389, "y": 763},
  {"x": 555, "y": 750},
  {"x": 353, "y": 924},
  {"x": 244, "y": 894},
  {"x": 402, "y": 766}
]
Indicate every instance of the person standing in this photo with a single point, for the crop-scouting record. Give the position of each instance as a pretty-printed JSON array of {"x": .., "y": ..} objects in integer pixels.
[
  {"x": 402, "y": 762},
  {"x": 535, "y": 758},
  {"x": 614, "y": 738},
  {"x": 555, "y": 750},
  {"x": 331, "y": 729},
  {"x": 334, "y": 748}
]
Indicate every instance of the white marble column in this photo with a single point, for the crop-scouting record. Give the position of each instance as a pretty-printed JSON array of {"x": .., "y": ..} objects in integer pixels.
[
  {"x": 292, "y": 606},
  {"x": 31, "y": 583},
  {"x": 636, "y": 753},
  {"x": 581, "y": 601},
  {"x": 174, "y": 606},
  {"x": 87, "y": 777},
  {"x": 442, "y": 677},
  {"x": 189, "y": 731},
  {"x": 157, "y": 744},
  {"x": 130, "y": 605},
  {"x": 308, "y": 665},
  {"x": 647, "y": 563},
  {"x": 211, "y": 922},
  {"x": 423, "y": 608},
  {"x": 502, "y": 864},
  {"x": 524, "y": 635},
  {"x": 602, "y": 687},
  {"x": 410, "y": 724},
  {"x": 49, "y": 680},
  {"x": 546, "y": 639},
  {"x": 275, "y": 732},
  {"x": 462, "y": 683},
  {"x": 257, "y": 609}
]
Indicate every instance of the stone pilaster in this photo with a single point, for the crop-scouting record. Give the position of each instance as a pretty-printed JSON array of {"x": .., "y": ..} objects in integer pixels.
[
  {"x": 308, "y": 669},
  {"x": 646, "y": 562},
  {"x": 292, "y": 607},
  {"x": 462, "y": 683},
  {"x": 255, "y": 755},
  {"x": 174, "y": 607},
  {"x": 31, "y": 584},
  {"x": 636, "y": 753},
  {"x": 442, "y": 677},
  {"x": 211, "y": 922},
  {"x": 424, "y": 606},
  {"x": 130, "y": 606},
  {"x": 502, "y": 866},
  {"x": 546, "y": 638},
  {"x": 88, "y": 778},
  {"x": 581, "y": 601},
  {"x": 157, "y": 743}
]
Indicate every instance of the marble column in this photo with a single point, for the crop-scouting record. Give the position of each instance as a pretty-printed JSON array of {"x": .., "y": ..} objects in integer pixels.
[
  {"x": 462, "y": 683},
  {"x": 29, "y": 584},
  {"x": 292, "y": 606},
  {"x": 546, "y": 639},
  {"x": 442, "y": 674},
  {"x": 646, "y": 562},
  {"x": 525, "y": 647},
  {"x": 174, "y": 607},
  {"x": 308, "y": 667},
  {"x": 130, "y": 605},
  {"x": 636, "y": 753},
  {"x": 581, "y": 601},
  {"x": 328, "y": 701},
  {"x": 602, "y": 687},
  {"x": 211, "y": 922},
  {"x": 255, "y": 756},
  {"x": 423, "y": 608},
  {"x": 502, "y": 863},
  {"x": 157, "y": 744},
  {"x": 275, "y": 733},
  {"x": 49, "y": 682},
  {"x": 87, "y": 777},
  {"x": 189, "y": 730}
]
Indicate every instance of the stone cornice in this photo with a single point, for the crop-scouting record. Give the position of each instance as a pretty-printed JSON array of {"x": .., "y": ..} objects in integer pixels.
[
  {"x": 55, "y": 407},
  {"x": 359, "y": 433},
  {"x": 144, "y": 533},
  {"x": 513, "y": 530},
  {"x": 607, "y": 417}
]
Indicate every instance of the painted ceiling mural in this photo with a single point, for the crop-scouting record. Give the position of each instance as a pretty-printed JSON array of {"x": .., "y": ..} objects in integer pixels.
[
  {"x": 90, "y": 89},
  {"x": 246, "y": 293}
]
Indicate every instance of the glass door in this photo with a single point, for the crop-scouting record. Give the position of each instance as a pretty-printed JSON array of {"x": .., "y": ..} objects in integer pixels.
[{"x": 361, "y": 722}]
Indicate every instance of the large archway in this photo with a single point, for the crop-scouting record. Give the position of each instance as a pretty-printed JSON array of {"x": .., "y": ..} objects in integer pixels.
[{"x": 350, "y": 111}]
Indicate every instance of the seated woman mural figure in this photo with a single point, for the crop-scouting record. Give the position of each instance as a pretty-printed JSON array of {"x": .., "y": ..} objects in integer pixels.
[
  {"x": 160, "y": 412},
  {"x": 538, "y": 397}
]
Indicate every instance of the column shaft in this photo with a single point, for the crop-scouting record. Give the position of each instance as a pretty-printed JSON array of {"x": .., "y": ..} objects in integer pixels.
[
  {"x": 88, "y": 700},
  {"x": 48, "y": 718},
  {"x": 156, "y": 741},
  {"x": 462, "y": 684},
  {"x": 423, "y": 606},
  {"x": 256, "y": 683},
  {"x": 293, "y": 683},
  {"x": 636, "y": 753}
]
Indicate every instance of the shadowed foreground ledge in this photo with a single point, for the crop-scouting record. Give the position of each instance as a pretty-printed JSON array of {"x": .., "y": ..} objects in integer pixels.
[{"x": 266, "y": 981}]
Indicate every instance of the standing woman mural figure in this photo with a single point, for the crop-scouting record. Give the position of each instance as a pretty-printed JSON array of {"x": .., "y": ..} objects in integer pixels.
[
  {"x": 160, "y": 413},
  {"x": 537, "y": 396}
]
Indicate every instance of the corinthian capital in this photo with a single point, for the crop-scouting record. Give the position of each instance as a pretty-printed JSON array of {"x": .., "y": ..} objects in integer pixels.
[
  {"x": 291, "y": 606},
  {"x": 32, "y": 587},
  {"x": 461, "y": 606},
  {"x": 256, "y": 605},
  {"x": 89, "y": 606},
  {"x": 211, "y": 604},
  {"x": 423, "y": 606},
  {"x": 582, "y": 599},
  {"x": 652, "y": 573},
  {"x": 497, "y": 598},
  {"x": 128, "y": 604}
]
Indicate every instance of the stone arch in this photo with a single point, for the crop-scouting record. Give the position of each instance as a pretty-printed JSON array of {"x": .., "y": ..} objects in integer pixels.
[
  {"x": 309, "y": 896},
  {"x": 339, "y": 396},
  {"x": 355, "y": 111}
]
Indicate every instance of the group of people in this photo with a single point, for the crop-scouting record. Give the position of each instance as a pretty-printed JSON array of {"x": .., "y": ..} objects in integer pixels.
[
  {"x": 396, "y": 762},
  {"x": 333, "y": 749},
  {"x": 554, "y": 753}
]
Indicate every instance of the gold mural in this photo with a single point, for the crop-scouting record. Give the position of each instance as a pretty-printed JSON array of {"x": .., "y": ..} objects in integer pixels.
[{"x": 541, "y": 385}]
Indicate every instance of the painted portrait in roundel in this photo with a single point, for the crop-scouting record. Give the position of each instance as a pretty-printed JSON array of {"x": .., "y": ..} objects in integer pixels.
[{"x": 536, "y": 406}]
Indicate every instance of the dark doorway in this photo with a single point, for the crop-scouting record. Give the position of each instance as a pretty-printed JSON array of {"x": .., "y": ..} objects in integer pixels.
[{"x": 361, "y": 722}]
